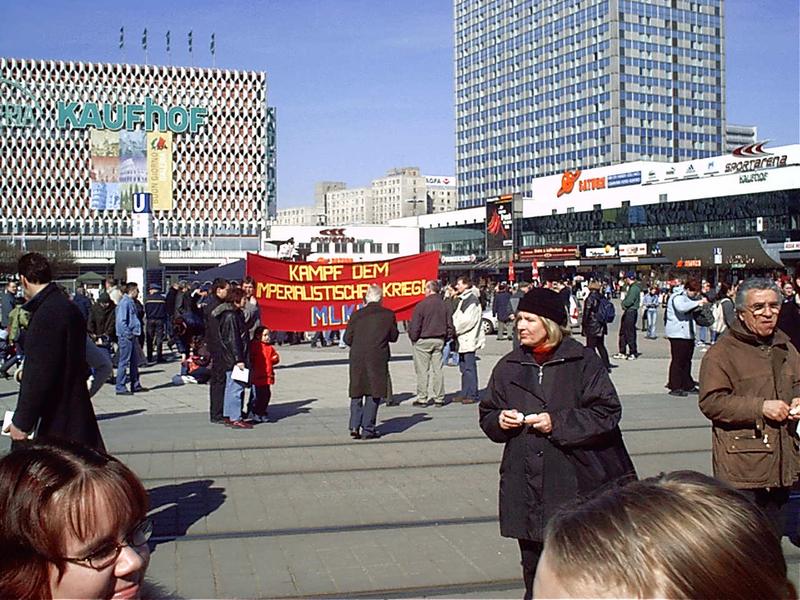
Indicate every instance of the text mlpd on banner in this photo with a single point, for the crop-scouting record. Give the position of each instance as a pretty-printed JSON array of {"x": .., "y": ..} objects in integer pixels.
[{"x": 300, "y": 296}]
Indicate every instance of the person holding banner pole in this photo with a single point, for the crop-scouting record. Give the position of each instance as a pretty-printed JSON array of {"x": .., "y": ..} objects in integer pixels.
[{"x": 369, "y": 332}]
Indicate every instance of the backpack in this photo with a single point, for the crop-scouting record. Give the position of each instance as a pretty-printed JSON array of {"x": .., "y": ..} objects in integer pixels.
[
  {"x": 605, "y": 310},
  {"x": 719, "y": 325},
  {"x": 703, "y": 315}
]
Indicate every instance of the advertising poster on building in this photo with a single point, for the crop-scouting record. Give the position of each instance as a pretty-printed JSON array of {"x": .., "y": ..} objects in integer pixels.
[
  {"x": 132, "y": 166},
  {"x": 104, "y": 180},
  {"x": 302, "y": 296},
  {"x": 159, "y": 169},
  {"x": 499, "y": 224}
]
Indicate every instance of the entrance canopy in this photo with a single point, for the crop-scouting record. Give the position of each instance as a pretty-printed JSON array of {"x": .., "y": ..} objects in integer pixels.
[{"x": 737, "y": 253}]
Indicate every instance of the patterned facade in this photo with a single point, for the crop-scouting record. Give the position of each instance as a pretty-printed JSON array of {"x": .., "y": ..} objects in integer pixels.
[
  {"x": 223, "y": 174},
  {"x": 543, "y": 86}
]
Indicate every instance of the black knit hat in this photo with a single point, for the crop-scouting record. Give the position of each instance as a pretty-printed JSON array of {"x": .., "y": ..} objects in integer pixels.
[{"x": 545, "y": 303}]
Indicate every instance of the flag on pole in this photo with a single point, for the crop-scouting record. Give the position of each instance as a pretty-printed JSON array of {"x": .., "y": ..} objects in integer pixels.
[
  {"x": 121, "y": 37},
  {"x": 213, "y": 44},
  {"x": 190, "y": 41},
  {"x": 167, "y": 41},
  {"x": 144, "y": 39}
]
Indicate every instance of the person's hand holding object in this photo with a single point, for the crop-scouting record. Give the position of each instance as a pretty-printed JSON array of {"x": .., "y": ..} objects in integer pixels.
[
  {"x": 777, "y": 410},
  {"x": 794, "y": 409},
  {"x": 510, "y": 419},
  {"x": 540, "y": 422}
]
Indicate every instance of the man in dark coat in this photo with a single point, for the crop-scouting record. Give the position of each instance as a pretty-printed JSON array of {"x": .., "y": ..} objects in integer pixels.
[
  {"x": 501, "y": 309},
  {"x": 369, "y": 332},
  {"x": 7, "y": 303},
  {"x": 83, "y": 302},
  {"x": 216, "y": 385},
  {"x": 155, "y": 310},
  {"x": 53, "y": 395}
]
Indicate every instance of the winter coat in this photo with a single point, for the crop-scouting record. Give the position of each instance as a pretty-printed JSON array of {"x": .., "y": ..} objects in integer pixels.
[
  {"x": 467, "y": 321},
  {"x": 737, "y": 375},
  {"x": 582, "y": 454},
  {"x": 680, "y": 322},
  {"x": 102, "y": 321},
  {"x": 263, "y": 358},
  {"x": 155, "y": 307},
  {"x": 789, "y": 320},
  {"x": 369, "y": 332},
  {"x": 53, "y": 386},
  {"x": 84, "y": 305},
  {"x": 252, "y": 316},
  {"x": 233, "y": 338},
  {"x": 7, "y": 304},
  {"x": 211, "y": 326},
  {"x": 501, "y": 306},
  {"x": 591, "y": 326},
  {"x": 431, "y": 319}
]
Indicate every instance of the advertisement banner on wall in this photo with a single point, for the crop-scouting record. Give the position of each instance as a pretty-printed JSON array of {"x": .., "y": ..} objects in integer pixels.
[
  {"x": 302, "y": 296},
  {"x": 601, "y": 252},
  {"x": 104, "y": 178},
  {"x": 549, "y": 253},
  {"x": 499, "y": 223},
  {"x": 159, "y": 169},
  {"x": 633, "y": 249}
]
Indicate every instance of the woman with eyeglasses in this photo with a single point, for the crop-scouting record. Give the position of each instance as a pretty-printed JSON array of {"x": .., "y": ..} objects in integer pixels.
[
  {"x": 552, "y": 404},
  {"x": 73, "y": 524}
]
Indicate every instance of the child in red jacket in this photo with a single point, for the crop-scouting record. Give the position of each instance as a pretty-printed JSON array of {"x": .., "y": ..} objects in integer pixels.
[{"x": 263, "y": 358}]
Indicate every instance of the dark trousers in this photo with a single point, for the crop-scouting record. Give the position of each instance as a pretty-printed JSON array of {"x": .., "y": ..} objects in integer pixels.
[
  {"x": 531, "y": 551},
  {"x": 598, "y": 343},
  {"x": 263, "y": 396},
  {"x": 363, "y": 412},
  {"x": 773, "y": 503},
  {"x": 627, "y": 332},
  {"x": 680, "y": 367},
  {"x": 216, "y": 389},
  {"x": 155, "y": 335}
]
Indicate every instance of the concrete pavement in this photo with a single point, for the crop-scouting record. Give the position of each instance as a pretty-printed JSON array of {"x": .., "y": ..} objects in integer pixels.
[{"x": 294, "y": 508}]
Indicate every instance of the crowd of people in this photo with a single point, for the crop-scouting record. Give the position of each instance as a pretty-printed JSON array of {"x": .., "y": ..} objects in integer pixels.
[{"x": 74, "y": 519}]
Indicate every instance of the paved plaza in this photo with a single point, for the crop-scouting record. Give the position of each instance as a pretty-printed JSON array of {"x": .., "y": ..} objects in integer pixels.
[{"x": 295, "y": 508}]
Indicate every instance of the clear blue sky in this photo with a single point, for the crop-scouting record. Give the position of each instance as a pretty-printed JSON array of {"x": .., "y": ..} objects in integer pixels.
[{"x": 362, "y": 86}]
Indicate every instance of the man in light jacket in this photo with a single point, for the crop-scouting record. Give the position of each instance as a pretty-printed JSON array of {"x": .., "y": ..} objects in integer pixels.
[
  {"x": 467, "y": 323},
  {"x": 129, "y": 328},
  {"x": 750, "y": 389},
  {"x": 679, "y": 329}
]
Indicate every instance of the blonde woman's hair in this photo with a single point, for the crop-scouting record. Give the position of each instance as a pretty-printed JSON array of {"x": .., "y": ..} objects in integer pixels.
[
  {"x": 679, "y": 535},
  {"x": 555, "y": 333}
]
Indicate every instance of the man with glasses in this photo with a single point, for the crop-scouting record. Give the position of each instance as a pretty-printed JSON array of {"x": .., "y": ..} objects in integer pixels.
[{"x": 750, "y": 389}]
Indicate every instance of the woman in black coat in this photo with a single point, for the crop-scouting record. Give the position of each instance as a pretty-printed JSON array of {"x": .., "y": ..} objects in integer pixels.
[
  {"x": 552, "y": 404},
  {"x": 593, "y": 328},
  {"x": 235, "y": 352}
]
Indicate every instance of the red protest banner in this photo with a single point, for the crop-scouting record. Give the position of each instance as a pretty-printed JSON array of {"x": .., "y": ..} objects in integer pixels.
[{"x": 301, "y": 296}]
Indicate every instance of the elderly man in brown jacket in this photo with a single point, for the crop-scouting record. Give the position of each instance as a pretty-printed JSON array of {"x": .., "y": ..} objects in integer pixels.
[{"x": 750, "y": 388}]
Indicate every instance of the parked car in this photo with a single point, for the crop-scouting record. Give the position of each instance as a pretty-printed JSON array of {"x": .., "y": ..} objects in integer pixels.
[{"x": 488, "y": 322}]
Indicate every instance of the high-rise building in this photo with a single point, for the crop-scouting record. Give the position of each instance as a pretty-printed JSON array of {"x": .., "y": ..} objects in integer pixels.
[{"x": 543, "y": 86}]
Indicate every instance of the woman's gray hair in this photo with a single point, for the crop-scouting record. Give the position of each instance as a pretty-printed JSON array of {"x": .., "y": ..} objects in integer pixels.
[
  {"x": 374, "y": 293},
  {"x": 754, "y": 283}
]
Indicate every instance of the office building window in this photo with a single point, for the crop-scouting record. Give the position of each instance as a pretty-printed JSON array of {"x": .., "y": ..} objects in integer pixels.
[
  {"x": 377, "y": 248},
  {"x": 340, "y": 247},
  {"x": 359, "y": 247},
  {"x": 393, "y": 248}
]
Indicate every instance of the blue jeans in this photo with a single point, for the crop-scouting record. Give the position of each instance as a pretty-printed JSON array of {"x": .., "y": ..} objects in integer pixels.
[
  {"x": 127, "y": 361},
  {"x": 363, "y": 412},
  {"x": 447, "y": 353},
  {"x": 469, "y": 375},
  {"x": 652, "y": 313},
  {"x": 234, "y": 395},
  {"x": 702, "y": 335}
]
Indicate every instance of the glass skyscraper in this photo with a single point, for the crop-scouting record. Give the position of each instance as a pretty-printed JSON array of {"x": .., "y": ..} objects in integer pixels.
[{"x": 542, "y": 86}]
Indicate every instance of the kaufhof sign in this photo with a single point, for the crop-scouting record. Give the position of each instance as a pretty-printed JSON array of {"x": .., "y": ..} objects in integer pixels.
[
  {"x": 128, "y": 117},
  {"x": 19, "y": 108}
]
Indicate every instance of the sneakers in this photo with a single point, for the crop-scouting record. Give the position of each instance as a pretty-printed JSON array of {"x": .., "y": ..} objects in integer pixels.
[
  {"x": 421, "y": 403},
  {"x": 619, "y": 356},
  {"x": 632, "y": 357}
]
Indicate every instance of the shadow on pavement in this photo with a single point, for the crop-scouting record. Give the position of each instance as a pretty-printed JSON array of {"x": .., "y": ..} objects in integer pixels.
[
  {"x": 401, "y": 424},
  {"x": 397, "y": 399},
  {"x": 14, "y": 393},
  {"x": 333, "y": 362},
  {"x": 285, "y": 410},
  {"x": 117, "y": 415},
  {"x": 175, "y": 508}
]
